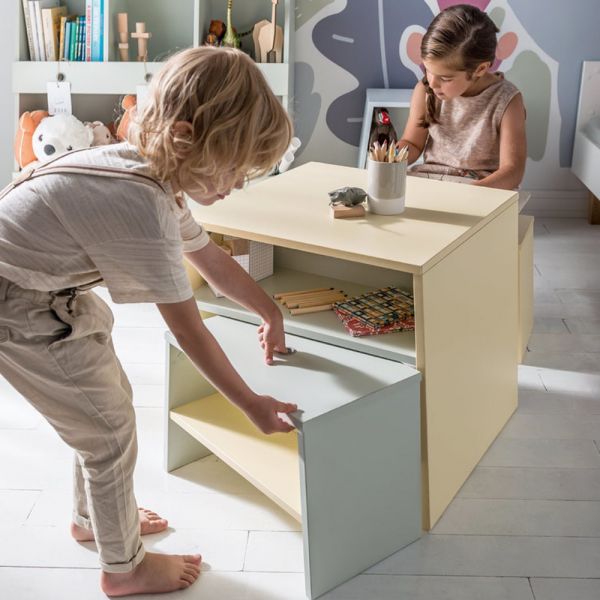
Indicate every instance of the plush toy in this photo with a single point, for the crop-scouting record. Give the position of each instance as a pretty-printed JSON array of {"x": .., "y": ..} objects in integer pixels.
[
  {"x": 101, "y": 133},
  {"x": 59, "y": 134},
  {"x": 23, "y": 147},
  {"x": 129, "y": 104}
]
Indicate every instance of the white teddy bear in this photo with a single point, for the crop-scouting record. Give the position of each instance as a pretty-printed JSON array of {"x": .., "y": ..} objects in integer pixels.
[{"x": 59, "y": 134}]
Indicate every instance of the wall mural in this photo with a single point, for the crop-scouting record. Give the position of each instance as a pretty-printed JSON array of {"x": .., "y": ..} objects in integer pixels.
[{"x": 344, "y": 47}]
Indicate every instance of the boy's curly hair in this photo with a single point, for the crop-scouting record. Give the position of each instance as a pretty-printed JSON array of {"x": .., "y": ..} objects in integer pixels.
[{"x": 238, "y": 127}]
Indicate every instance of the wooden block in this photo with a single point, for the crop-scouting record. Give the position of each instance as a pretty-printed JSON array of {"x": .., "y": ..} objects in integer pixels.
[
  {"x": 594, "y": 210},
  {"x": 346, "y": 212}
]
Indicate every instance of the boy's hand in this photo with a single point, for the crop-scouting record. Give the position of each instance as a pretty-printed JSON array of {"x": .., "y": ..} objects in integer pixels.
[
  {"x": 272, "y": 339},
  {"x": 262, "y": 411}
]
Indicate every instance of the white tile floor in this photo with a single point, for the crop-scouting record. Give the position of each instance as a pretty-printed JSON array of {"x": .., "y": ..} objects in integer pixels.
[{"x": 525, "y": 526}]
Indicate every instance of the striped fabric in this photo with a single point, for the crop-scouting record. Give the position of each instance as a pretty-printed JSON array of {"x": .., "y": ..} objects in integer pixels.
[{"x": 66, "y": 230}]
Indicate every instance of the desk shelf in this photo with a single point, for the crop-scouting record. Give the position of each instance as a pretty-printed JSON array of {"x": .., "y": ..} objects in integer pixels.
[
  {"x": 323, "y": 326},
  {"x": 269, "y": 462}
]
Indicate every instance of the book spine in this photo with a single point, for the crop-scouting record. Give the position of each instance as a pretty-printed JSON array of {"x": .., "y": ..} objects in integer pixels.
[
  {"x": 102, "y": 30},
  {"x": 28, "y": 29},
  {"x": 48, "y": 27},
  {"x": 67, "y": 40},
  {"x": 40, "y": 29},
  {"x": 73, "y": 42},
  {"x": 61, "y": 38},
  {"x": 81, "y": 39},
  {"x": 88, "y": 29},
  {"x": 97, "y": 18},
  {"x": 34, "y": 31}
]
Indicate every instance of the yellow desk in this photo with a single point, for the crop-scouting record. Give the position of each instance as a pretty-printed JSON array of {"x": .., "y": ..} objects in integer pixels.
[{"x": 455, "y": 246}]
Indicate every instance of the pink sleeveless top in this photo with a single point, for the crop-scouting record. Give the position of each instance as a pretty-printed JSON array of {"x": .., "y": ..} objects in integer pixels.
[{"x": 466, "y": 141}]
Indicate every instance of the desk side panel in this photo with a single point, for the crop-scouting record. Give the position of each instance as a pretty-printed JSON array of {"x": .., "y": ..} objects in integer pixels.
[{"x": 467, "y": 318}]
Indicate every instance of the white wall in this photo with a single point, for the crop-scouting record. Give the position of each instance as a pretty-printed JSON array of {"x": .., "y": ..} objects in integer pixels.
[{"x": 8, "y": 26}]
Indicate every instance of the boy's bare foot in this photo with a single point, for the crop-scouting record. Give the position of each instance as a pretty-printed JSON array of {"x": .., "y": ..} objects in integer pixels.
[
  {"x": 150, "y": 522},
  {"x": 156, "y": 574}
]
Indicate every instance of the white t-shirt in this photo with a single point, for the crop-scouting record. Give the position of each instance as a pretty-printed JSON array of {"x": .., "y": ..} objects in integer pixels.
[{"x": 65, "y": 230}]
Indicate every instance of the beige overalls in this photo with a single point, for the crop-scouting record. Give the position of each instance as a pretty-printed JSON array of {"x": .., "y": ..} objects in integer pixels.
[{"x": 56, "y": 350}]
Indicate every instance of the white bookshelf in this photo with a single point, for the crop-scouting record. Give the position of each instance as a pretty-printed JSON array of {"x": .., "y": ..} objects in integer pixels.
[{"x": 97, "y": 87}]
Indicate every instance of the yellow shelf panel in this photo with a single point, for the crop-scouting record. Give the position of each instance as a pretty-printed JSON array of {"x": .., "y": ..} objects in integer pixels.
[{"x": 270, "y": 462}]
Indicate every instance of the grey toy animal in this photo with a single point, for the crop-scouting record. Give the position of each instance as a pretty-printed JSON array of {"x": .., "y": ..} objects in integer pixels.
[{"x": 348, "y": 196}]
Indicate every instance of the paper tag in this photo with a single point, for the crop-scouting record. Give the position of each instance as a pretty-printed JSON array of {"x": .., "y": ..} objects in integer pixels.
[
  {"x": 142, "y": 97},
  {"x": 59, "y": 98}
]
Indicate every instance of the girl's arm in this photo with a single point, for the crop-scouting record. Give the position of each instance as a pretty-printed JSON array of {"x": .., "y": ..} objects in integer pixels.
[
  {"x": 183, "y": 319},
  {"x": 513, "y": 148},
  {"x": 414, "y": 135},
  {"x": 224, "y": 273}
]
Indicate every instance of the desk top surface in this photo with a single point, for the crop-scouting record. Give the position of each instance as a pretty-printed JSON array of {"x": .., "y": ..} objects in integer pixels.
[{"x": 291, "y": 210}]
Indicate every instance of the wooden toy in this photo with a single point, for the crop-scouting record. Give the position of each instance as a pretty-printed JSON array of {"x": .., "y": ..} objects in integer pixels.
[
  {"x": 310, "y": 301},
  {"x": 142, "y": 37},
  {"x": 230, "y": 38},
  {"x": 347, "y": 212},
  {"x": 268, "y": 38},
  {"x": 123, "y": 29}
]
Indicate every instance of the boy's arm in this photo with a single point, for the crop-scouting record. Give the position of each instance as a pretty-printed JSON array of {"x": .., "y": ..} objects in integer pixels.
[
  {"x": 414, "y": 135},
  {"x": 220, "y": 270},
  {"x": 183, "y": 319},
  {"x": 513, "y": 148}
]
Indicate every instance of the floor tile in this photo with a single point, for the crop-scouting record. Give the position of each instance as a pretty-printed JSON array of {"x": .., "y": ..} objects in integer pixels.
[
  {"x": 566, "y": 589},
  {"x": 582, "y": 325},
  {"x": 51, "y": 584},
  {"x": 16, "y": 412},
  {"x": 400, "y": 587},
  {"x": 570, "y": 310},
  {"x": 532, "y": 483},
  {"x": 549, "y": 325},
  {"x": 15, "y": 505},
  {"x": 144, "y": 374},
  {"x": 475, "y": 516},
  {"x": 149, "y": 395},
  {"x": 563, "y": 342},
  {"x": 529, "y": 378},
  {"x": 25, "y": 546},
  {"x": 542, "y": 453},
  {"x": 575, "y": 362},
  {"x": 140, "y": 345},
  {"x": 553, "y": 427},
  {"x": 495, "y": 556},
  {"x": 571, "y": 382},
  {"x": 274, "y": 551}
]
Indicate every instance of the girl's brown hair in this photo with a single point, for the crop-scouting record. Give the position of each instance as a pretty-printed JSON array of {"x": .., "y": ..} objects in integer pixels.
[
  {"x": 238, "y": 127},
  {"x": 464, "y": 37}
]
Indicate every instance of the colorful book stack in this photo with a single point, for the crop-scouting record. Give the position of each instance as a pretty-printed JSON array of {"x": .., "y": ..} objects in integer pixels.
[
  {"x": 53, "y": 34},
  {"x": 382, "y": 311}
]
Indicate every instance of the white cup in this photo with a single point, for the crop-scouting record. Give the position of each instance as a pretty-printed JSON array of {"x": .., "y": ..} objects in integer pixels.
[{"x": 386, "y": 187}]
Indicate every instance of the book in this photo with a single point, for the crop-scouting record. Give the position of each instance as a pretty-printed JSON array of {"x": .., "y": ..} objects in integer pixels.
[
  {"x": 73, "y": 39},
  {"x": 28, "y": 30},
  {"x": 381, "y": 311},
  {"x": 88, "y": 30},
  {"x": 51, "y": 24},
  {"x": 63, "y": 49},
  {"x": 34, "y": 32},
  {"x": 98, "y": 30},
  {"x": 80, "y": 50},
  {"x": 38, "y": 5}
]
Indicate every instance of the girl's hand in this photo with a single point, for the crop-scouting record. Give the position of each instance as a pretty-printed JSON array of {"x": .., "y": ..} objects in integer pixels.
[
  {"x": 262, "y": 411},
  {"x": 272, "y": 339}
]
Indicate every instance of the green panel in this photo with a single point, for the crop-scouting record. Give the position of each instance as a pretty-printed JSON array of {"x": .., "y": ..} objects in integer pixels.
[{"x": 361, "y": 476}]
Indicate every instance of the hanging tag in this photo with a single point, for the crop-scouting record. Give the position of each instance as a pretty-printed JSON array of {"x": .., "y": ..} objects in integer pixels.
[
  {"x": 59, "y": 98},
  {"x": 142, "y": 97}
]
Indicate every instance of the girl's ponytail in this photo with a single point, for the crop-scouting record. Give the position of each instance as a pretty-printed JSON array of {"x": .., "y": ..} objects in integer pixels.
[{"x": 432, "y": 106}]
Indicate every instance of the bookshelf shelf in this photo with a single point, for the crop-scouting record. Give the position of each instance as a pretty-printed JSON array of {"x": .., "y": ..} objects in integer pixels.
[{"x": 111, "y": 77}]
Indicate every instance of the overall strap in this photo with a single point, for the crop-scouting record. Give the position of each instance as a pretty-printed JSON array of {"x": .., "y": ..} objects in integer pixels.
[{"x": 80, "y": 169}]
